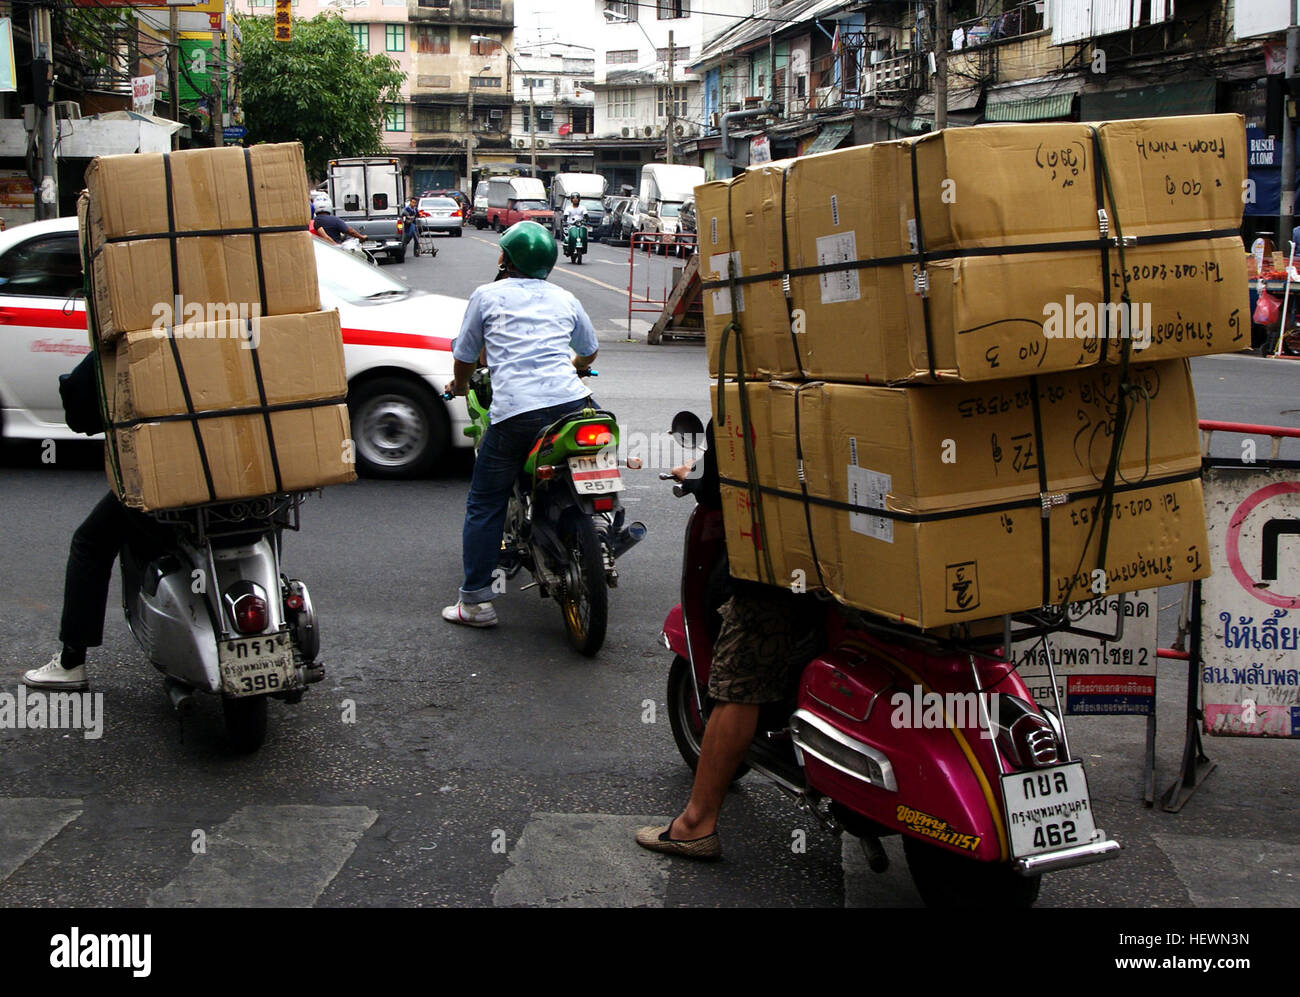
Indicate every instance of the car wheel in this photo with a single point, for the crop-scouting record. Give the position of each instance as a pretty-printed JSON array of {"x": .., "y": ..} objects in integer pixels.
[
  {"x": 457, "y": 232},
  {"x": 399, "y": 429},
  {"x": 398, "y": 255}
]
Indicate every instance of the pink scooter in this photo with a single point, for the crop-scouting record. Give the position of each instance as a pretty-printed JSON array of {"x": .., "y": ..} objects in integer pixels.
[{"x": 895, "y": 732}]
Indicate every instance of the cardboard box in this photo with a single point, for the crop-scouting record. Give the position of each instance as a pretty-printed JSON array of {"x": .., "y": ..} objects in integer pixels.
[
  {"x": 142, "y": 260},
  {"x": 300, "y": 358},
  {"x": 160, "y": 465},
  {"x": 985, "y": 316},
  {"x": 924, "y": 504}
]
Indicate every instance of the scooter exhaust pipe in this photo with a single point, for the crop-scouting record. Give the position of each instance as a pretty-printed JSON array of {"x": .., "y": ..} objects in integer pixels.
[
  {"x": 180, "y": 694},
  {"x": 627, "y": 538}
]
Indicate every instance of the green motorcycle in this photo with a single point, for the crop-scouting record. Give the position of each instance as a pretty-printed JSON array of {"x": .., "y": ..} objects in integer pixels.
[
  {"x": 575, "y": 243},
  {"x": 565, "y": 522}
]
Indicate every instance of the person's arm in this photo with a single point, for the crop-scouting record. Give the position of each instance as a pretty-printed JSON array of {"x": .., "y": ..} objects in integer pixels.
[
  {"x": 583, "y": 342},
  {"x": 468, "y": 347},
  {"x": 355, "y": 234}
]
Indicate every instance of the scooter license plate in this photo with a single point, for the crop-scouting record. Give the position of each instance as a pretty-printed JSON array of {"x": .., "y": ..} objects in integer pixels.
[
  {"x": 1047, "y": 809},
  {"x": 253, "y": 666},
  {"x": 596, "y": 475}
]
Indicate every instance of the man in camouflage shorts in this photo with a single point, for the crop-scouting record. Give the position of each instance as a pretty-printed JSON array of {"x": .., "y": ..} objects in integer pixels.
[{"x": 768, "y": 634}]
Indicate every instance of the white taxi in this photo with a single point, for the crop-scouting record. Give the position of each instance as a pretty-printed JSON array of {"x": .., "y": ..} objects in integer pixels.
[{"x": 396, "y": 345}]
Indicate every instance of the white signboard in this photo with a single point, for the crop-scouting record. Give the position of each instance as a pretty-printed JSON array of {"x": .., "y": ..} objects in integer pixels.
[
  {"x": 760, "y": 150},
  {"x": 1098, "y": 677},
  {"x": 143, "y": 91},
  {"x": 1250, "y": 606},
  {"x": 1252, "y": 18}
]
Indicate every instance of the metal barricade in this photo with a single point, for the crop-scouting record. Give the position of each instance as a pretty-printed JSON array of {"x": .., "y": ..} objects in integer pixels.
[{"x": 659, "y": 280}]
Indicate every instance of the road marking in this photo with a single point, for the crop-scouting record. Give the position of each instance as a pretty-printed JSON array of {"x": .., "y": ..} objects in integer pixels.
[
  {"x": 27, "y": 824},
  {"x": 583, "y": 860},
  {"x": 570, "y": 273},
  {"x": 268, "y": 856},
  {"x": 1233, "y": 872}
]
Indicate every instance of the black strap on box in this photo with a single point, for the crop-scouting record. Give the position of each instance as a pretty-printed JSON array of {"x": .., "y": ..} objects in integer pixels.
[
  {"x": 224, "y": 413},
  {"x": 253, "y": 343},
  {"x": 171, "y": 339},
  {"x": 803, "y": 485},
  {"x": 921, "y": 276},
  {"x": 785, "y": 276},
  {"x": 96, "y": 345}
]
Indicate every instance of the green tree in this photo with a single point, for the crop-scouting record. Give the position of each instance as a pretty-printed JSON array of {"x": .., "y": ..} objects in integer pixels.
[{"x": 318, "y": 89}]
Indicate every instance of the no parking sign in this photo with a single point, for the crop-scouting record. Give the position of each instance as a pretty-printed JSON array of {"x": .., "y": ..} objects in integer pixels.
[{"x": 1250, "y": 606}]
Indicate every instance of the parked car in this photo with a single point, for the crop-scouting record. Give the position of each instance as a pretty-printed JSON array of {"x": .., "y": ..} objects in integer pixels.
[
  {"x": 440, "y": 214},
  {"x": 517, "y": 199},
  {"x": 461, "y": 199},
  {"x": 628, "y": 221},
  {"x": 396, "y": 346},
  {"x": 606, "y": 229}
]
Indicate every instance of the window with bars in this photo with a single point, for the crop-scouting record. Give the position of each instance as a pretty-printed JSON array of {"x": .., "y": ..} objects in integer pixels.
[
  {"x": 679, "y": 102},
  {"x": 491, "y": 82},
  {"x": 394, "y": 37},
  {"x": 622, "y": 56},
  {"x": 431, "y": 40},
  {"x": 395, "y": 118},
  {"x": 582, "y": 120},
  {"x": 436, "y": 4},
  {"x": 260, "y": 3},
  {"x": 681, "y": 53},
  {"x": 484, "y": 4},
  {"x": 623, "y": 11},
  {"x": 361, "y": 35},
  {"x": 672, "y": 9},
  {"x": 433, "y": 119}
]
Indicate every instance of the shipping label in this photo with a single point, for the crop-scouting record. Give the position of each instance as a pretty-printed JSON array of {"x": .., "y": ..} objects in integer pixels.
[
  {"x": 868, "y": 489},
  {"x": 722, "y": 296},
  {"x": 839, "y": 285}
]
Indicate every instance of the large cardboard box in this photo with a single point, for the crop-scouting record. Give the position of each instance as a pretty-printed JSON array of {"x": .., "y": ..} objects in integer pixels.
[
  {"x": 206, "y": 225},
  {"x": 925, "y": 505},
  {"x": 299, "y": 358},
  {"x": 985, "y": 314},
  {"x": 157, "y": 449}
]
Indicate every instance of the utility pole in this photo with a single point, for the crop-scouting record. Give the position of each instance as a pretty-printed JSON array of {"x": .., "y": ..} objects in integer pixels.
[
  {"x": 672, "y": 102},
  {"x": 532, "y": 122},
  {"x": 1286, "y": 211},
  {"x": 940, "y": 64},
  {"x": 173, "y": 63},
  {"x": 469, "y": 142},
  {"x": 47, "y": 191},
  {"x": 218, "y": 104}
]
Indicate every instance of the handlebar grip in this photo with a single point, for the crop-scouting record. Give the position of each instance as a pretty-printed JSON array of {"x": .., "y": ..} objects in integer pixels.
[{"x": 447, "y": 396}]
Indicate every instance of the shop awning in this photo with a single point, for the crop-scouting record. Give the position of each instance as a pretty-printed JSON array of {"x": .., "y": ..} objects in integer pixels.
[
  {"x": 831, "y": 135},
  {"x": 959, "y": 99},
  {"x": 1157, "y": 101},
  {"x": 1007, "y": 107}
]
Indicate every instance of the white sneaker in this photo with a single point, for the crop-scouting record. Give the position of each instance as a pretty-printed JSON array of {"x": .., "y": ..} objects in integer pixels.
[
  {"x": 471, "y": 614},
  {"x": 54, "y": 676}
]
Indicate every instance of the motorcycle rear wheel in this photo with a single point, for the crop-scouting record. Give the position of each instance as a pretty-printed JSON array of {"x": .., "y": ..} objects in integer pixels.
[
  {"x": 245, "y": 722},
  {"x": 584, "y": 606},
  {"x": 946, "y": 879},
  {"x": 684, "y": 717}
]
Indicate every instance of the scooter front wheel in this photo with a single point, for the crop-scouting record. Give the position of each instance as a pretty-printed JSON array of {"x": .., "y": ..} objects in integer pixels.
[
  {"x": 245, "y": 722},
  {"x": 946, "y": 879},
  {"x": 684, "y": 716}
]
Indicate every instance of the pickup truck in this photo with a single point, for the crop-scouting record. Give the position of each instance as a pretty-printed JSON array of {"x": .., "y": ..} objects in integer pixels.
[
  {"x": 515, "y": 199},
  {"x": 367, "y": 194}
]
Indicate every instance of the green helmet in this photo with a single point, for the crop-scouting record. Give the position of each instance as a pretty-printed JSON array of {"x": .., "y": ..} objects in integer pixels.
[{"x": 530, "y": 249}]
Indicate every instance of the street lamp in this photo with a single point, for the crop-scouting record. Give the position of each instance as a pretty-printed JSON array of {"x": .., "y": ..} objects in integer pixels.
[
  {"x": 469, "y": 142},
  {"x": 671, "y": 101},
  {"x": 532, "y": 119}
]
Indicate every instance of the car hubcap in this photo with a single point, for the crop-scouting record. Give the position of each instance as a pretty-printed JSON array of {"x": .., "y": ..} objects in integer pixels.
[{"x": 393, "y": 432}]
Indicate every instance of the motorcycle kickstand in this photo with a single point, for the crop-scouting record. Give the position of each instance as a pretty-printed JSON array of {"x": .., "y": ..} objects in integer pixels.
[{"x": 874, "y": 852}]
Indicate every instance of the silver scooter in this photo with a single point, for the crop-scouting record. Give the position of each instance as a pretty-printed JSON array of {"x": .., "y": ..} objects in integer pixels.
[{"x": 212, "y": 609}]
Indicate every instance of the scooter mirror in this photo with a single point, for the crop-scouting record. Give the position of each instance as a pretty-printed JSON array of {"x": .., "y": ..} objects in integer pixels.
[{"x": 687, "y": 429}]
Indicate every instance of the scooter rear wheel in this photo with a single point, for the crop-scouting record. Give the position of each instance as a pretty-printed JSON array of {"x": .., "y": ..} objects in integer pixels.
[
  {"x": 585, "y": 602},
  {"x": 684, "y": 716},
  {"x": 245, "y": 722},
  {"x": 946, "y": 879}
]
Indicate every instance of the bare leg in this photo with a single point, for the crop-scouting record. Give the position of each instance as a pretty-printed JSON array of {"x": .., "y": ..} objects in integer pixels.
[{"x": 727, "y": 737}]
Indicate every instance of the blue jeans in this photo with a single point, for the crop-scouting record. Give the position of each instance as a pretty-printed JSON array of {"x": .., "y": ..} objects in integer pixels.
[{"x": 500, "y": 458}]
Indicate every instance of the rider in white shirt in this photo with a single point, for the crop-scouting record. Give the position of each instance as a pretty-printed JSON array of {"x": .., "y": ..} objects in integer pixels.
[{"x": 574, "y": 213}]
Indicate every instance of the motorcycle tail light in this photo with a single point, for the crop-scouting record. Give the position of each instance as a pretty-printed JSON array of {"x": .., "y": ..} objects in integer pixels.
[
  {"x": 1026, "y": 737},
  {"x": 250, "y": 614},
  {"x": 603, "y": 504},
  {"x": 545, "y": 472},
  {"x": 594, "y": 435},
  {"x": 294, "y": 602}
]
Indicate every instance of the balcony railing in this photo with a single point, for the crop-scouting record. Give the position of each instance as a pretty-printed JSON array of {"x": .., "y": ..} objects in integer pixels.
[{"x": 1023, "y": 19}]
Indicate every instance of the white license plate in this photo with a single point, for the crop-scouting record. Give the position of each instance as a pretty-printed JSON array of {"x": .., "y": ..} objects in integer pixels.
[
  {"x": 1047, "y": 809},
  {"x": 252, "y": 666},
  {"x": 596, "y": 475}
]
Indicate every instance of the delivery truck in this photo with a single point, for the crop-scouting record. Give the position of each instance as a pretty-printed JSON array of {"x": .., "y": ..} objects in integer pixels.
[
  {"x": 664, "y": 188},
  {"x": 590, "y": 188},
  {"x": 367, "y": 194},
  {"x": 516, "y": 199}
]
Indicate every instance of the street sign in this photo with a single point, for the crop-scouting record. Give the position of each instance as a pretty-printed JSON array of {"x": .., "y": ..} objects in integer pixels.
[
  {"x": 1098, "y": 677},
  {"x": 144, "y": 90},
  {"x": 234, "y": 132},
  {"x": 1250, "y": 607},
  {"x": 282, "y": 25}
]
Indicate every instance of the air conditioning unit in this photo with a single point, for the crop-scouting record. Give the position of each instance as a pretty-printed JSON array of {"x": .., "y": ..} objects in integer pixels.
[
  {"x": 649, "y": 131},
  {"x": 68, "y": 109},
  {"x": 521, "y": 143},
  {"x": 680, "y": 130},
  {"x": 715, "y": 120},
  {"x": 495, "y": 114},
  {"x": 541, "y": 143},
  {"x": 546, "y": 113},
  {"x": 627, "y": 132}
]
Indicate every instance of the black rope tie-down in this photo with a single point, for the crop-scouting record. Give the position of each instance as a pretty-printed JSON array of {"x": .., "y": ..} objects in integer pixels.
[
  {"x": 803, "y": 484},
  {"x": 921, "y": 276},
  {"x": 785, "y": 277},
  {"x": 171, "y": 337},
  {"x": 225, "y": 413}
]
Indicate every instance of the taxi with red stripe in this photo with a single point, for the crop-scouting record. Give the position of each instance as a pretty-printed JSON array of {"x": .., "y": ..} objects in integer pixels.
[{"x": 396, "y": 345}]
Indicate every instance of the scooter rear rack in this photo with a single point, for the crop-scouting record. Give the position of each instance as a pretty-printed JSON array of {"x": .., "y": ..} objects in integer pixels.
[{"x": 223, "y": 519}]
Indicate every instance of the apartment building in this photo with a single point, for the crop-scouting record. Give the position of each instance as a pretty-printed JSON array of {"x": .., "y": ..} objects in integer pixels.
[{"x": 554, "y": 80}]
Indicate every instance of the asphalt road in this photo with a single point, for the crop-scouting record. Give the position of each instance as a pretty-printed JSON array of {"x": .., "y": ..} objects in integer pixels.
[{"x": 443, "y": 766}]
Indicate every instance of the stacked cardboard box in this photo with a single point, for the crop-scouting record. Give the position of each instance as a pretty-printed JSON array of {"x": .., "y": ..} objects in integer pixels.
[
  {"x": 997, "y": 475},
  {"x": 222, "y": 378},
  {"x": 1017, "y": 278}
]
